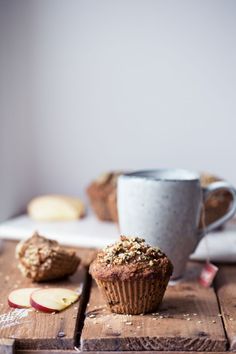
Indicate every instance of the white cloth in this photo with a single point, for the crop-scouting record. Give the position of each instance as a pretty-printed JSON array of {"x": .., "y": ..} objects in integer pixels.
[
  {"x": 90, "y": 232},
  {"x": 220, "y": 246},
  {"x": 86, "y": 232}
]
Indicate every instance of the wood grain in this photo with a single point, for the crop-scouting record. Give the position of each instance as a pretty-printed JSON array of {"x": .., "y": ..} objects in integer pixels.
[
  {"x": 187, "y": 321},
  {"x": 226, "y": 291},
  {"x": 38, "y": 330},
  {"x": 123, "y": 352}
]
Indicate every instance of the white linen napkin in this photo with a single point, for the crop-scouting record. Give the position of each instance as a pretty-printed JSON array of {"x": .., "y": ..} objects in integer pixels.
[
  {"x": 219, "y": 246},
  {"x": 90, "y": 232}
]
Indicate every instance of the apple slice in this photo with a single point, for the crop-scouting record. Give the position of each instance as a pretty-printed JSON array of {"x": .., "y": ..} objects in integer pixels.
[
  {"x": 20, "y": 298},
  {"x": 53, "y": 300}
]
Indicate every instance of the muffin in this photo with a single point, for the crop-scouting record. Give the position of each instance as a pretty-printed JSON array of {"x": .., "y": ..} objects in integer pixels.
[
  {"x": 102, "y": 195},
  {"x": 132, "y": 275},
  {"x": 216, "y": 205},
  {"x": 112, "y": 205},
  {"x": 41, "y": 259}
]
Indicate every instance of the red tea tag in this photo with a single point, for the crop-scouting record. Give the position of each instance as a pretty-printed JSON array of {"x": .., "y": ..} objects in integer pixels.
[{"x": 208, "y": 274}]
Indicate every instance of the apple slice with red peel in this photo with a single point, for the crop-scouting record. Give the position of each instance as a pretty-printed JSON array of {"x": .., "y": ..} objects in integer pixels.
[
  {"x": 53, "y": 300},
  {"x": 20, "y": 298}
]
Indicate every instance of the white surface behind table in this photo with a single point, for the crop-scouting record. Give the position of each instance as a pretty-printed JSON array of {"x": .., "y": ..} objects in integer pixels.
[
  {"x": 90, "y": 232},
  {"x": 86, "y": 232}
]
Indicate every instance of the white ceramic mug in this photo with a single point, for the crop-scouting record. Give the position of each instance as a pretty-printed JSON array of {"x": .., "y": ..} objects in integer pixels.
[{"x": 163, "y": 206}]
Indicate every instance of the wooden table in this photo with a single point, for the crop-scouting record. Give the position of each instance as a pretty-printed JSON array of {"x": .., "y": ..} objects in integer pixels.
[{"x": 191, "y": 318}]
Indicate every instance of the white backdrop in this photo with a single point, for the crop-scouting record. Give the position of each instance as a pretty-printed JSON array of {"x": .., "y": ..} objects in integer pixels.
[{"x": 88, "y": 86}]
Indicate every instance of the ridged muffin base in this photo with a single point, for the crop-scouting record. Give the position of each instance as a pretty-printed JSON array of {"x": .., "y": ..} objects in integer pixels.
[{"x": 133, "y": 296}]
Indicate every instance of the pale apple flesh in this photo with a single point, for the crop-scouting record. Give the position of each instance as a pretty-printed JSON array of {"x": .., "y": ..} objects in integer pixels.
[
  {"x": 20, "y": 298},
  {"x": 53, "y": 300}
]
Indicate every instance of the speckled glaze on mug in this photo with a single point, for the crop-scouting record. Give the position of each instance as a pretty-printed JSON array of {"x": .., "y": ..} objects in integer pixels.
[{"x": 163, "y": 206}]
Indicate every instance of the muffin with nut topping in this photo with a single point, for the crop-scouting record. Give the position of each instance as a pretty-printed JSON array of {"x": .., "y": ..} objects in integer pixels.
[{"x": 132, "y": 275}]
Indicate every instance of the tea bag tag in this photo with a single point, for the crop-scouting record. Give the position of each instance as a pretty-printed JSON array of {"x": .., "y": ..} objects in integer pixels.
[
  {"x": 209, "y": 270},
  {"x": 208, "y": 274}
]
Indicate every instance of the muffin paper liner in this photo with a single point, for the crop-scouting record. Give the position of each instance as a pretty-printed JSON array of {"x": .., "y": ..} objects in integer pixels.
[{"x": 133, "y": 296}]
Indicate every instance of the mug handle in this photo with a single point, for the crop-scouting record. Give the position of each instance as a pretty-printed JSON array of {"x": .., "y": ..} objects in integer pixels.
[{"x": 211, "y": 189}]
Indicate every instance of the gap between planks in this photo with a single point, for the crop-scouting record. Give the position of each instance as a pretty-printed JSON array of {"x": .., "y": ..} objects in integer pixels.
[
  {"x": 225, "y": 286},
  {"x": 123, "y": 352},
  {"x": 40, "y": 330}
]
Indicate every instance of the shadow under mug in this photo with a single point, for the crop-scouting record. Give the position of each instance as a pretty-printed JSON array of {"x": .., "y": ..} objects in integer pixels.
[{"x": 163, "y": 206}]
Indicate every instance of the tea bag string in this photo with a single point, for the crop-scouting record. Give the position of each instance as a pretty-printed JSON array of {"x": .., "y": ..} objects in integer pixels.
[{"x": 205, "y": 240}]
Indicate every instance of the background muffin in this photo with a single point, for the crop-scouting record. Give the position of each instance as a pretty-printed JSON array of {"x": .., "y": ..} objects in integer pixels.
[
  {"x": 218, "y": 204},
  {"x": 132, "y": 275},
  {"x": 102, "y": 195},
  {"x": 112, "y": 205}
]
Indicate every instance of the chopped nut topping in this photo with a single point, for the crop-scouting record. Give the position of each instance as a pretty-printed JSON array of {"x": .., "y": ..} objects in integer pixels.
[{"x": 130, "y": 250}]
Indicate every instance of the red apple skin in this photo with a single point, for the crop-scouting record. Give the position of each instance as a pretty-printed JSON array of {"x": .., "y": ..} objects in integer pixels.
[
  {"x": 40, "y": 307},
  {"x": 11, "y": 304}
]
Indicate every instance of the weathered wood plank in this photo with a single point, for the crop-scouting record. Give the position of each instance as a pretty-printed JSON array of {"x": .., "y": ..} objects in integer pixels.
[
  {"x": 225, "y": 285},
  {"x": 187, "y": 321},
  {"x": 35, "y": 330},
  {"x": 123, "y": 352}
]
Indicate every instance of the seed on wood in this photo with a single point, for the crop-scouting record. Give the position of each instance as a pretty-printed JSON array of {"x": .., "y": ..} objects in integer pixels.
[
  {"x": 129, "y": 323},
  {"x": 61, "y": 334},
  {"x": 92, "y": 315},
  {"x": 202, "y": 334},
  {"x": 199, "y": 321},
  {"x": 231, "y": 319},
  {"x": 213, "y": 321}
]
